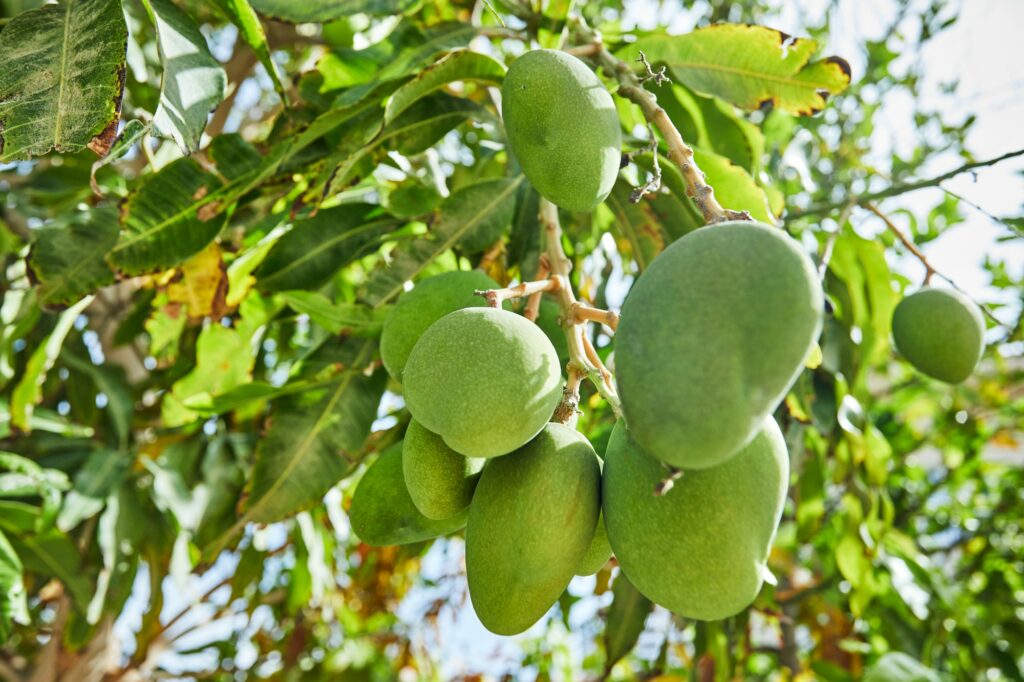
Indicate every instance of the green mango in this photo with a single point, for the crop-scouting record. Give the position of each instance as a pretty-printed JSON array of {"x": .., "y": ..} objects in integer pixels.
[
  {"x": 712, "y": 335},
  {"x": 562, "y": 127},
  {"x": 701, "y": 549},
  {"x": 599, "y": 552},
  {"x": 382, "y": 513},
  {"x": 896, "y": 666},
  {"x": 531, "y": 521},
  {"x": 485, "y": 380},
  {"x": 941, "y": 332},
  {"x": 422, "y": 306},
  {"x": 440, "y": 481}
]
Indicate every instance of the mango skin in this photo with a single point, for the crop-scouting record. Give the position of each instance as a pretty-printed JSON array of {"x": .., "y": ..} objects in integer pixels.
[
  {"x": 940, "y": 332},
  {"x": 599, "y": 552},
  {"x": 440, "y": 481},
  {"x": 422, "y": 306},
  {"x": 383, "y": 514},
  {"x": 701, "y": 549},
  {"x": 485, "y": 380},
  {"x": 712, "y": 336},
  {"x": 562, "y": 127},
  {"x": 531, "y": 522}
]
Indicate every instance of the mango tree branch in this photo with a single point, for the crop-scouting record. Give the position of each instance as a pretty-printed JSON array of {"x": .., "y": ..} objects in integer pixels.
[
  {"x": 902, "y": 187},
  {"x": 631, "y": 87},
  {"x": 584, "y": 362},
  {"x": 929, "y": 269}
]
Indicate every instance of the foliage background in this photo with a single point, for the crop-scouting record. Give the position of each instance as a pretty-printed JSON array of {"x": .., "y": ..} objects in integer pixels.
[{"x": 149, "y": 417}]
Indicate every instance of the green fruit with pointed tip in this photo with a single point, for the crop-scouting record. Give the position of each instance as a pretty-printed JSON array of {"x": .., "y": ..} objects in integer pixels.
[
  {"x": 440, "y": 481},
  {"x": 941, "y": 332},
  {"x": 599, "y": 552},
  {"x": 422, "y": 306},
  {"x": 562, "y": 127},
  {"x": 485, "y": 380},
  {"x": 382, "y": 513},
  {"x": 896, "y": 666},
  {"x": 712, "y": 335},
  {"x": 531, "y": 522},
  {"x": 701, "y": 549}
]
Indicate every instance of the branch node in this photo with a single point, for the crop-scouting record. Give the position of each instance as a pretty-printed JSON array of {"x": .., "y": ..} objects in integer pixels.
[{"x": 658, "y": 76}]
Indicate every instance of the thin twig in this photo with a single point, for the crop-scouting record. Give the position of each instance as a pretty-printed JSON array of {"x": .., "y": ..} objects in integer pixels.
[
  {"x": 532, "y": 310},
  {"x": 654, "y": 184},
  {"x": 929, "y": 269},
  {"x": 631, "y": 87},
  {"x": 902, "y": 188},
  {"x": 583, "y": 312}
]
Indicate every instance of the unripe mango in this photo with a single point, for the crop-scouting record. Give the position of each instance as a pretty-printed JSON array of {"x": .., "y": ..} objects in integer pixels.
[
  {"x": 485, "y": 380},
  {"x": 599, "y": 552},
  {"x": 700, "y": 549},
  {"x": 382, "y": 513},
  {"x": 530, "y": 524},
  {"x": 440, "y": 481},
  {"x": 422, "y": 306},
  {"x": 562, "y": 127},
  {"x": 712, "y": 336},
  {"x": 941, "y": 332}
]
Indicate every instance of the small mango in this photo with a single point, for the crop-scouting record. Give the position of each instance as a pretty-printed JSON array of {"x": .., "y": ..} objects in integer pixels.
[
  {"x": 382, "y": 513},
  {"x": 530, "y": 524},
  {"x": 422, "y": 306},
  {"x": 485, "y": 380},
  {"x": 701, "y": 549},
  {"x": 940, "y": 332},
  {"x": 562, "y": 127},
  {"x": 440, "y": 481}
]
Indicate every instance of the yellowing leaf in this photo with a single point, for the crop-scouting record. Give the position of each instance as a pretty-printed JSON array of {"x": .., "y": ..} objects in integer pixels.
[
  {"x": 202, "y": 285},
  {"x": 749, "y": 66}
]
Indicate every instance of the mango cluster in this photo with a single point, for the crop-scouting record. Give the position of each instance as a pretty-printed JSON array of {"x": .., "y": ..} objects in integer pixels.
[
  {"x": 480, "y": 453},
  {"x": 711, "y": 338}
]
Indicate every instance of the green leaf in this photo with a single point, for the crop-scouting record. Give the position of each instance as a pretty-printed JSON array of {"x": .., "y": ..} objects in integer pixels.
[
  {"x": 407, "y": 50},
  {"x": 163, "y": 222},
  {"x": 132, "y": 133},
  {"x": 636, "y": 223},
  {"x": 328, "y": 10},
  {"x": 455, "y": 66},
  {"x": 193, "y": 81},
  {"x": 749, "y": 66},
  {"x": 244, "y": 17},
  {"x": 233, "y": 156},
  {"x": 61, "y": 78},
  {"x": 53, "y": 554},
  {"x": 29, "y": 391},
  {"x": 427, "y": 121},
  {"x": 316, "y": 248},
  {"x": 471, "y": 213},
  {"x": 101, "y": 474},
  {"x": 13, "y": 606},
  {"x": 334, "y": 317},
  {"x": 734, "y": 187},
  {"x": 224, "y": 360},
  {"x": 69, "y": 261},
  {"x": 315, "y": 437},
  {"x": 25, "y": 478},
  {"x": 626, "y": 617}
]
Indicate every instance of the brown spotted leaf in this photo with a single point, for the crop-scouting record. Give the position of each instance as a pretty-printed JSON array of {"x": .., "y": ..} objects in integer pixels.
[
  {"x": 749, "y": 66},
  {"x": 163, "y": 222},
  {"x": 61, "y": 78}
]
